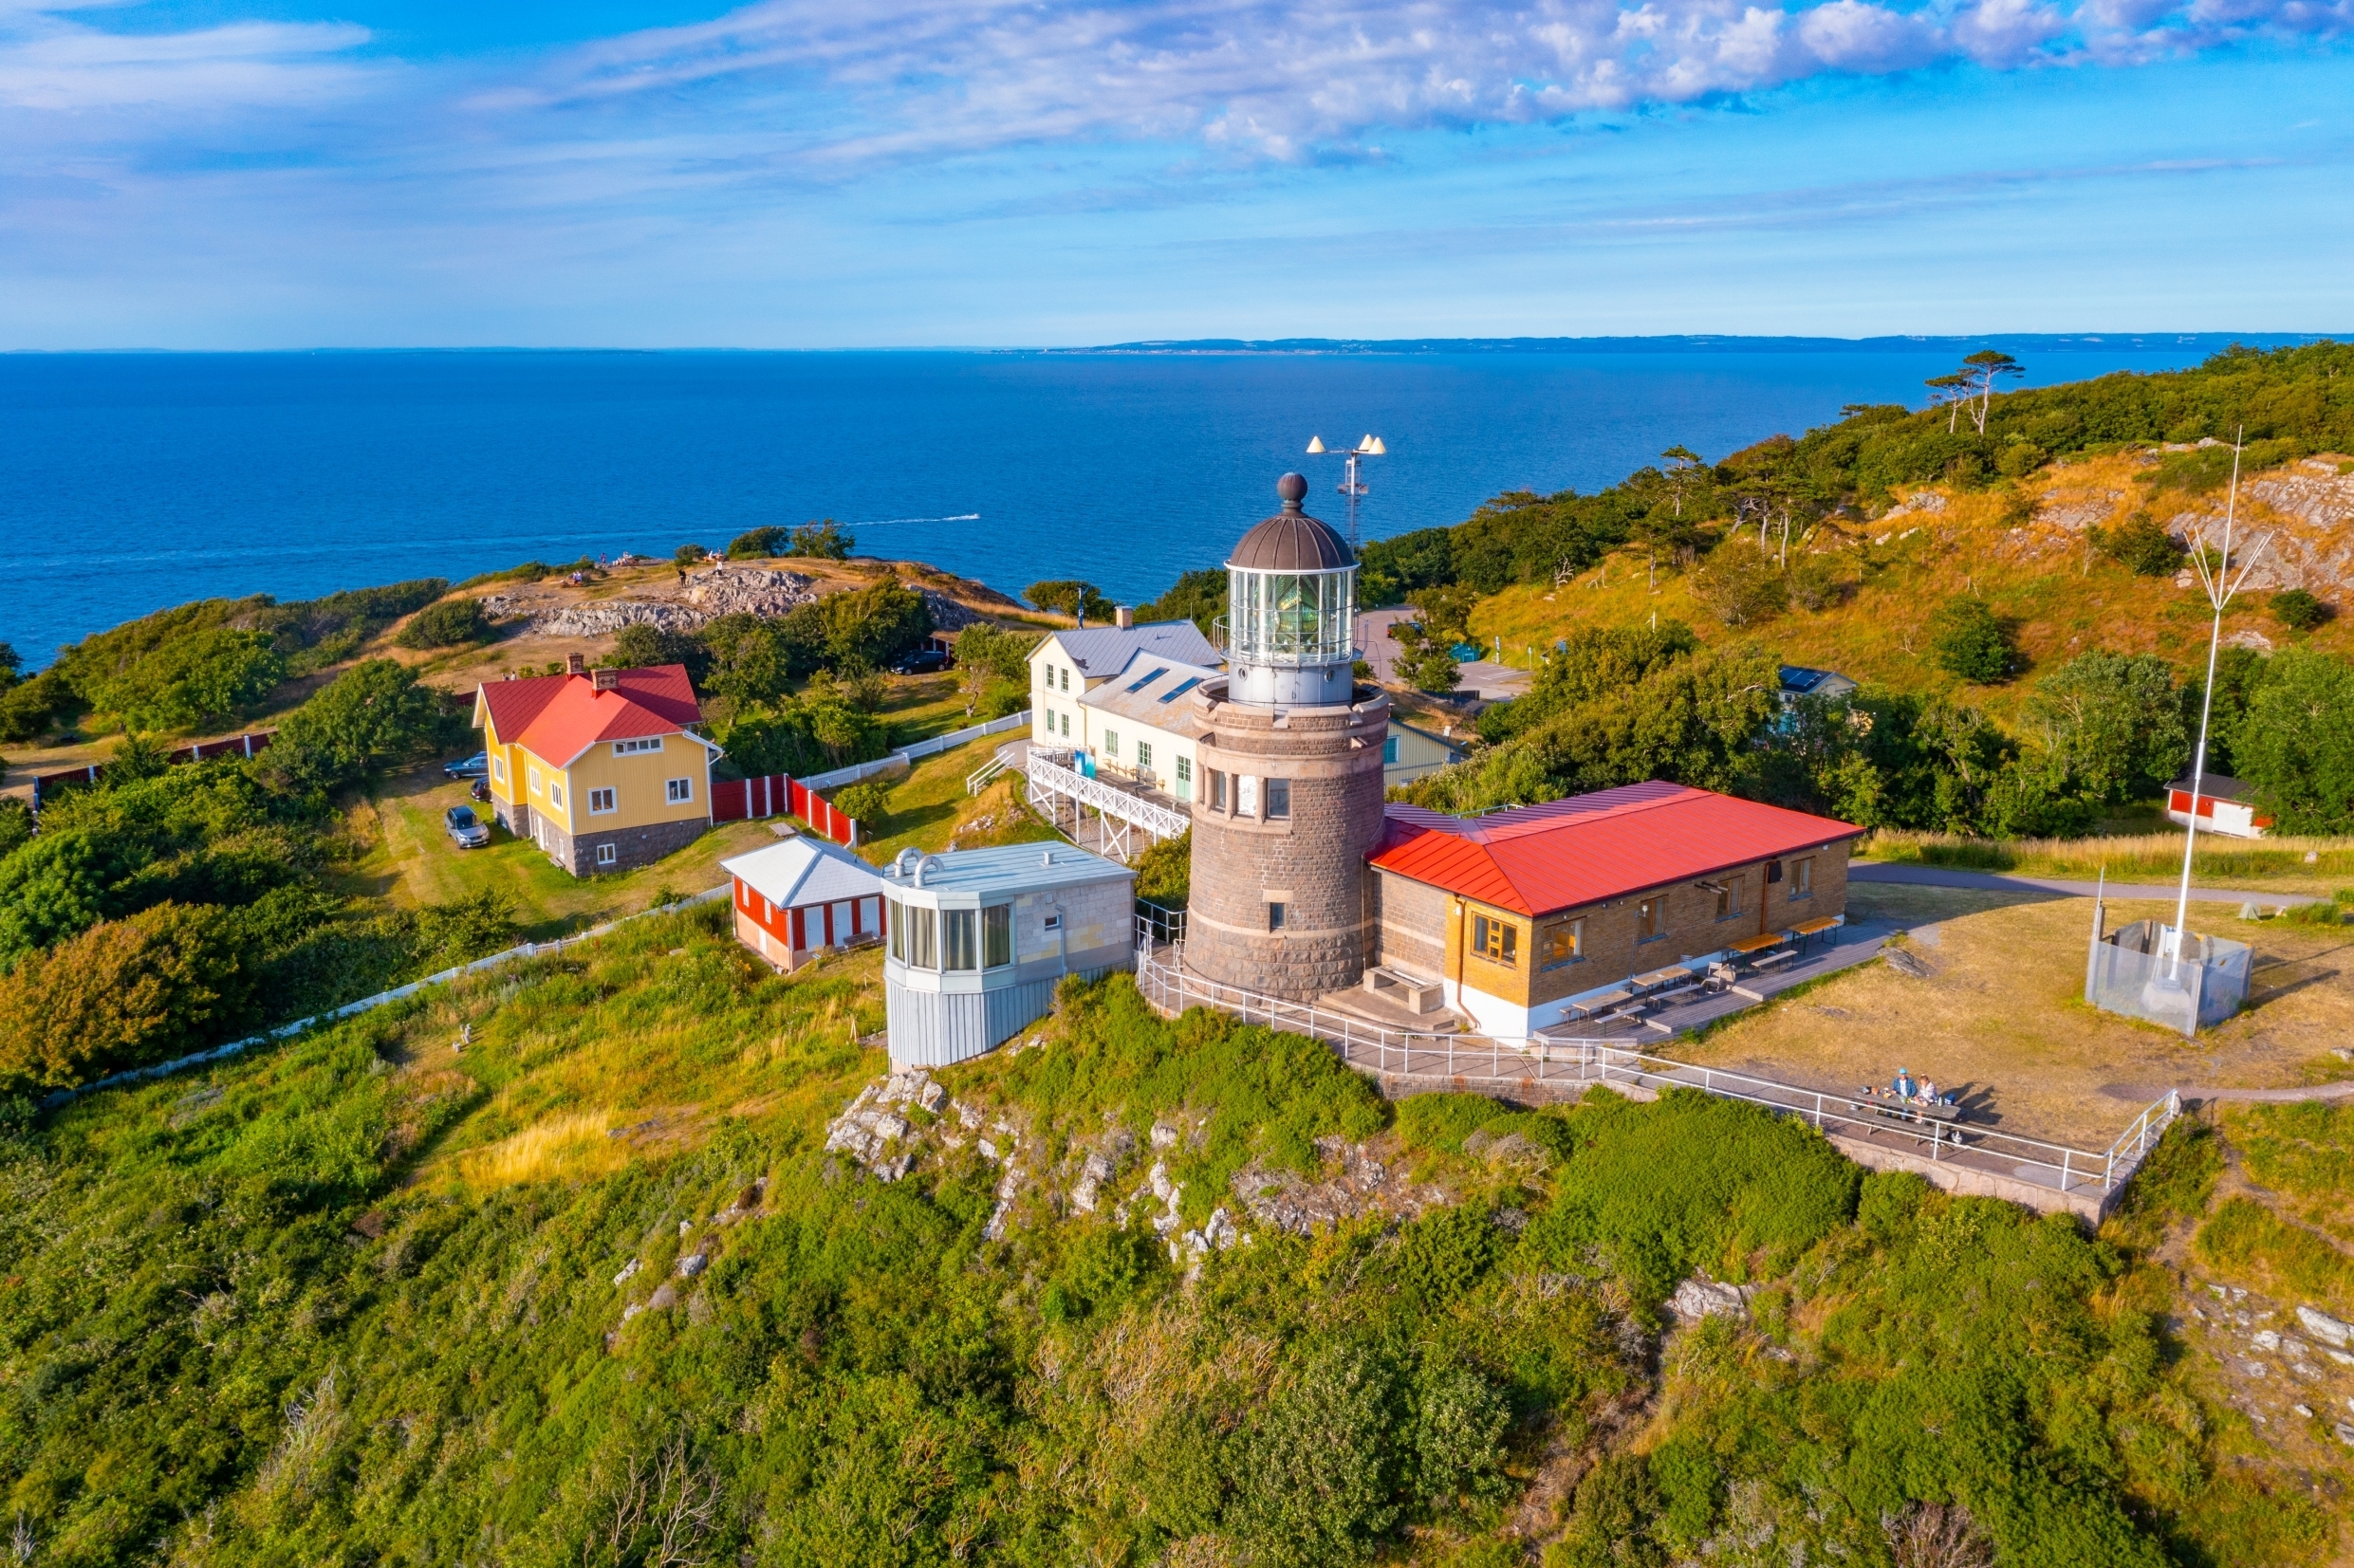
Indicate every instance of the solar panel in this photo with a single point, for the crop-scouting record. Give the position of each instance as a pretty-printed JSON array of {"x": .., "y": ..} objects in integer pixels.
[
  {"x": 1179, "y": 689},
  {"x": 1146, "y": 681}
]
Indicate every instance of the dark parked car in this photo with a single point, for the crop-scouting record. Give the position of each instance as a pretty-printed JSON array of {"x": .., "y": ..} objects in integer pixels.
[
  {"x": 921, "y": 662},
  {"x": 481, "y": 791},
  {"x": 465, "y": 830},
  {"x": 469, "y": 767}
]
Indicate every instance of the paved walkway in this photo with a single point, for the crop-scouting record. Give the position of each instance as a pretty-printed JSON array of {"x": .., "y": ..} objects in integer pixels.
[{"x": 1943, "y": 876}]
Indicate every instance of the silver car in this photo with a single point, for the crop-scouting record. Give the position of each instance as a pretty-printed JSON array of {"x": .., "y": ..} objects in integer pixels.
[{"x": 465, "y": 830}]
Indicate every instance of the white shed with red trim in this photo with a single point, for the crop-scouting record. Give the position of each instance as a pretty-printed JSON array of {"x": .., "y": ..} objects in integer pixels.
[
  {"x": 802, "y": 896},
  {"x": 2221, "y": 805}
]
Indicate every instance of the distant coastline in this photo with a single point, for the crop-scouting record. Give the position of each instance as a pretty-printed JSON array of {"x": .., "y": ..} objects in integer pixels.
[{"x": 2012, "y": 342}]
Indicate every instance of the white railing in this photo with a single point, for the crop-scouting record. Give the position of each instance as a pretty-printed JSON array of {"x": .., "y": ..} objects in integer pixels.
[
  {"x": 983, "y": 776},
  {"x": 1159, "y": 821},
  {"x": 1549, "y": 1058},
  {"x": 938, "y": 744}
]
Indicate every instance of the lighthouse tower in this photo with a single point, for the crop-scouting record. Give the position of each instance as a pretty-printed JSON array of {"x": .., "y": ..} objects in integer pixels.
[{"x": 1287, "y": 804}]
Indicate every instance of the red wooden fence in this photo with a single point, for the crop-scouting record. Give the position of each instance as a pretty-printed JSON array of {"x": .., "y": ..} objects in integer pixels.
[
  {"x": 257, "y": 740},
  {"x": 778, "y": 795}
]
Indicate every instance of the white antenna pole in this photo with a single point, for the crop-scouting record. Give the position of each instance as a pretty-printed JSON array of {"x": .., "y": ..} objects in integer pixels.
[{"x": 2220, "y": 588}]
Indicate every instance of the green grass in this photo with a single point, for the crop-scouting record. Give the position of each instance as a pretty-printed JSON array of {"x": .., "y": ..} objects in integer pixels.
[
  {"x": 2273, "y": 864},
  {"x": 2251, "y": 1241}
]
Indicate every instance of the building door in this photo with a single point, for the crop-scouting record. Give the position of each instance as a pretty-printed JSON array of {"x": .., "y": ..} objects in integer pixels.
[{"x": 837, "y": 923}]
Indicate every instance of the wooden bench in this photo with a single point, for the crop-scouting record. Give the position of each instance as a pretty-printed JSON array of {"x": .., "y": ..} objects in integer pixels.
[{"x": 1767, "y": 961}]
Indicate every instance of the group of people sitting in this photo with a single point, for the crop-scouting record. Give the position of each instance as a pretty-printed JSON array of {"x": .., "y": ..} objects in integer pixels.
[{"x": 1907, "y": 1091}]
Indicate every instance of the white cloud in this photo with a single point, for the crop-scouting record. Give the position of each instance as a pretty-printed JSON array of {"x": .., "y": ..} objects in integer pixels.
[{"x": 50, "y": 63}]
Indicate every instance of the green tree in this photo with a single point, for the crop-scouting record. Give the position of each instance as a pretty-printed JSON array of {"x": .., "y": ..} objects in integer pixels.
[
  {"x": 372, "y": 716},
  {"x": 1740, "y": 585},
  {"x": 1164, "y": 872},
  {"x": 1071, "y": 597},
  {"x": 756, "y": 544},
  {"x": 867, "y": 804},
  {"x": 11, "y": 662},
  {"x": 749, "y": 660},
  {"x": 639, "y": 646},
  {"x": 1319, "y": 1470},
  {"x": 2296, "y": 744},
  {"x": 1201, "y": 597},
  {"x": 985, "y": 654},
  {"x": 35, "y": 706},
  {"x": 2113, "y": 724},
  {"x": 1966, "y": 639},
  {"x": 1983, "y": 370},
  {"x": 827, "y": 541}
]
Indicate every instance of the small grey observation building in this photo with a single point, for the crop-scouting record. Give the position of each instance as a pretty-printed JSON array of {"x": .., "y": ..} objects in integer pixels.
[
  {"x": 978, "y": 939},
  {"x": 1288, "y": 750}
]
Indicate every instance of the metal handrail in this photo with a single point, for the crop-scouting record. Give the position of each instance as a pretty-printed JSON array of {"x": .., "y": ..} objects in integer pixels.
[
  {"x": 1547, "y": 1058},
  {"x": 1152, "y": 817}
]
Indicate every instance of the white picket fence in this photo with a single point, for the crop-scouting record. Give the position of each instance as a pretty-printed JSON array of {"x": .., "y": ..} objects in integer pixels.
[
  {"x": 937, "y": 745},
  {"x": 220, "y": 1053}
]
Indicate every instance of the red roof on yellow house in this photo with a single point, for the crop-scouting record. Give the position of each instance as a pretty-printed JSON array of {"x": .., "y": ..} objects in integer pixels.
[
  {"x": 558, "y": 717},
  {"x": 1587, "y": 848}
]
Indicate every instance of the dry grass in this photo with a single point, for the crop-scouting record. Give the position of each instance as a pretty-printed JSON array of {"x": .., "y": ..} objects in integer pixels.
[
  {"x": 574, "y": 1144},
  {"x": 2001, "y": 1020},
  {"x": 2063, "y": 602},
  {"x": 2276, "y": 864}
]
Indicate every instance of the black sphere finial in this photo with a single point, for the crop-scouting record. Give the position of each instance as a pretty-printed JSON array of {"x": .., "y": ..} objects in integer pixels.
[{"x": 1292, "y": 488}]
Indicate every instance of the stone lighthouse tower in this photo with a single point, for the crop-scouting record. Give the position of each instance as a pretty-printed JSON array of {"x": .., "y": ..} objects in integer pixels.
[{"x": 1288, "y": 746}]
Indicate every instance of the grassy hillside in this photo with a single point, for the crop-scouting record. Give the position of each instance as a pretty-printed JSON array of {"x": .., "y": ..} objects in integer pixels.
[{"x": 595, "y": 1290}]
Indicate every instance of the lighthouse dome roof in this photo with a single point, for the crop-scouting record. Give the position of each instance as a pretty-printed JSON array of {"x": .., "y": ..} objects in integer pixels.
[{"x": 1291, "y": 541}]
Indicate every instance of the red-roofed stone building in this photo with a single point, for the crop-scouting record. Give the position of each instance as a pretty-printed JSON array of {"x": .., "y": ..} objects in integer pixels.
[
  {"x": 598, "y": 768},
  {"x": 1522, "y": 915}
]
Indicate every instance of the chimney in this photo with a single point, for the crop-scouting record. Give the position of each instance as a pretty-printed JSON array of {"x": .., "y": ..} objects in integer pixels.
[
  {"x": 575, "y": 664},
  {"x": 1122, "y": 617},
  {"x": 605, "y": 680}
]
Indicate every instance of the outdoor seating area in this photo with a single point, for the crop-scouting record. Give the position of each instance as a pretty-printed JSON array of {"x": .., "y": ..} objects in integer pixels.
[{"x": 1905, "y": 1099}]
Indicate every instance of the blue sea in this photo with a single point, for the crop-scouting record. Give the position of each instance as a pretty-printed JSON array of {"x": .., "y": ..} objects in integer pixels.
[{"x": 129, "y": 482}]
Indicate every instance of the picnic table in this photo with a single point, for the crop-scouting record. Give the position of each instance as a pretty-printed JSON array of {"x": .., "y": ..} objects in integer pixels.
[
  {"x": 1657, "y": 978},
  {"x": 1610, "y": 998},
  {"x": 1885, "y": 1102},
  {"x": 1755, "y": 944}
]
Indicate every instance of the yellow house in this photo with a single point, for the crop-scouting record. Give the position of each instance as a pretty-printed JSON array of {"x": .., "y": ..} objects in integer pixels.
[{"x": 598, "y": 768}]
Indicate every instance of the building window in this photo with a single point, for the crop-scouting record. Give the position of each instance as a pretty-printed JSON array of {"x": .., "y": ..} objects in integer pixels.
[
  {"x": 1278, "y": 798},
  {"x": 1564, "y": 943},
  {"x": 996, "y": 936},
  {"x": 1650, "y": 917},
  {"x": 1274, "y": 916},
  {"x": 1066, "y": 686},
  {"x": 1389, "y": 752},
  {"x": 599, "y": 802},
  {"x": 624, "y": 749},
  {"x": 681, "y": 790},
  {"x": 1217, "y": 790},
  {"x": 1499, "y": 941},
  {"x": 531, "y": 778},
  {"x": 923, "y": 932},
  {"x": 1051, "y": 925},
  {"x": 1246, "y": 795},
  {"x": 555, "y": 796},
  {"x": 895, "y": 923},
  {"x": 1111, "y": 743},
  {"x": 608, "y": 854},
  {"x": 1143, "y": 753},
  {"x": 960, "y": 947},
  {"x": 1728, "y": 901},
  {"x": 498, "y": 769},
  {"x": 1067, "y": 727},
  {"x": 1801, "y": 877}
]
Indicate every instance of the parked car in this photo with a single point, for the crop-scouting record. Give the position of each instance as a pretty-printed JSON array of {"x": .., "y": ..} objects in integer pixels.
[
  {"x": 469, "y": 767},
  {"x": 465, "y": 829},
  {"x": 921, "y": 662},
  {"x": 481, "y": 790}
]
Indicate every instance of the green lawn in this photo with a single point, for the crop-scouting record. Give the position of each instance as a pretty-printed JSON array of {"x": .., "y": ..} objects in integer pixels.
[{"x": 412, "y": 860}]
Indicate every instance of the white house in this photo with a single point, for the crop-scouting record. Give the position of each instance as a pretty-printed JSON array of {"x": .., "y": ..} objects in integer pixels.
[{"x": 1071, "y": 665}]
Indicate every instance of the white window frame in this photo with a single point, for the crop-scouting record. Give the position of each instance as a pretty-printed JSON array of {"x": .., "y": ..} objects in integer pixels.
[
  {"x": 498, "y": 769},
  {"x": 608, "y": 808},
  {"x": 648, "y": 743},
  {"x": 555, "y": 797},
  {"x": 531, "y": 779},
  {"x": 678, "y": 791},
  {"x": 1111, "y": 743},
  {"x": 1143, "y": 753},
  {"x": 1801, "y": 877},
  {"x": 608, "y": 854}
]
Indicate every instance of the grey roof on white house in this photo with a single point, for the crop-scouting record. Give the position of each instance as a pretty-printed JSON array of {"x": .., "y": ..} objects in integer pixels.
[
  {"x": 1151, "y": 691},
  {"x": 965, "y": 874},
  {"x": 803, "y": 871},
  {"x": 1100, "y": 651}
]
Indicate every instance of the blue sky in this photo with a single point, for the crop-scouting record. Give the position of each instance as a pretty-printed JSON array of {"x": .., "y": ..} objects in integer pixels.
[{"x": 255, "y": 173}]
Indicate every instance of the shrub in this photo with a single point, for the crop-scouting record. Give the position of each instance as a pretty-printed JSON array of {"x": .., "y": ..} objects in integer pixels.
[
  {"x": 2139, "y": 545},
  {"x": 15, "y": 825},
  {"x": 1816, "y": 583},
  {"x": 121, "y": 994},
  {"x": 34, "y": 707},
  {"x": 1164, "y": 872},
  {"x": 1965, "y": 639},
  {"x": 193, "y": 680},
  {"x": 868, "y": 804},
  {"x": 1740, "y": 585},
  {"x": 686, "y": 555},
  {"x": 451, "y": 623},
  {"x": 755, "y": 543},
  {"x": 1071, "y": 597},
  {"x": 2298, "y": 610},
  {"x": 2296, "y": 742},
  {"x": 641, "y": 646}
]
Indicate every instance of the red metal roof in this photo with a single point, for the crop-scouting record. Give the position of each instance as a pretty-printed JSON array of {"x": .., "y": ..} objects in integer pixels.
[
  {"x": 1536, "y": 860},
  {"x": 558, "y": 717}
]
